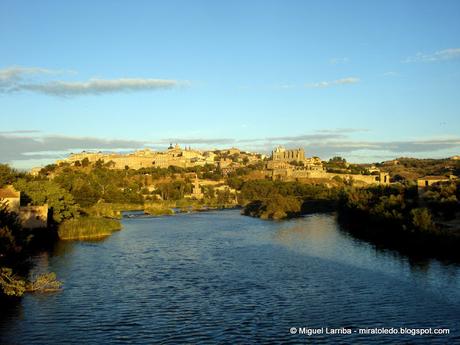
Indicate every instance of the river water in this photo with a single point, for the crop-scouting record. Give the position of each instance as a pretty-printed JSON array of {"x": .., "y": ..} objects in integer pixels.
[{"x": 219, "y": 277}]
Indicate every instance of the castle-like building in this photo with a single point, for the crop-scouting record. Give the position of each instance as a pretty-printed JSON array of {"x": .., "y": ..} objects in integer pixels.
[
  {"x": 282, "y": 158},
  {"x": 280, "y": 154},
  {"x": 293, "y": 165}
]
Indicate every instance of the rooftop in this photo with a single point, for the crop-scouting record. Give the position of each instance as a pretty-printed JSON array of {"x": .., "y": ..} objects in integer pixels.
[{"x": 9, "y": 192}]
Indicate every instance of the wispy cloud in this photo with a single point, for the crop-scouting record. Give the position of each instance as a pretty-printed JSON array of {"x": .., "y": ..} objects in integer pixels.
[
  {"x": 15, "y": 73},
  {"x": 17, "y": 79},
  {"x": 198, "y": 141},
  {"x": 343, "y": 81},
  {"x": 99, "y": 86},
  {"x": 332, "y": 142},
  {"x": 342, "y": 130},
  {"x": 390, "y": 74},
  {"x": 21, "y": 131},
  {"x": 308, "y": 137},
  {"x": 339, "y": 60},
  {"x": 24, "y": 147},
  {"x": 440, "y": 55}
]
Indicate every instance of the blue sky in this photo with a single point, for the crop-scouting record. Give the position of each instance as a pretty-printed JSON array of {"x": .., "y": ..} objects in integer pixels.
[{"x": 365, "y": 80}]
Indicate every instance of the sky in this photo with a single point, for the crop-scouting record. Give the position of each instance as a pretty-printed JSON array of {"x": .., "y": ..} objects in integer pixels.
[{"x": 366, "y": 80}]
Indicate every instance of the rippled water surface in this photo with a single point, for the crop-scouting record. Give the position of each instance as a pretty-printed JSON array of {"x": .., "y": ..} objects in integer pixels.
[{"x": 219, "y": 277}]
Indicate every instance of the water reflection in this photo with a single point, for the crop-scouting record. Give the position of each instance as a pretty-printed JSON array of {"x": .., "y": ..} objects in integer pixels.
[{"x": 320, "y": 236}]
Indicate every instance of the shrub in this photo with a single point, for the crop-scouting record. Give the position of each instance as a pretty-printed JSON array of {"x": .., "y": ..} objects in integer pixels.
[{"x": 422, "y": 220}]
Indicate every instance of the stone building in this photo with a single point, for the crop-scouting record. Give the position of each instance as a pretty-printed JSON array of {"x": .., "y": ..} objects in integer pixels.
[
  {"x": 233, "y": 151},
  {"x": 196, "y": 191},
  {"x": 293, "y": 159},
  {"x": 291, "y": 165},
  {"x": 30, "y": 217},
  {"x": 430, "y": 180},
  {"x": 282, "y": 155}
]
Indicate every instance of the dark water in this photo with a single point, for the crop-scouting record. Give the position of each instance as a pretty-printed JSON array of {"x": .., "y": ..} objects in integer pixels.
[{"x": 220, "y": 277}]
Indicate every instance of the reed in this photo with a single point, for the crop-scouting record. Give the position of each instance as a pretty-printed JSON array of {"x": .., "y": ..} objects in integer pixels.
[
  {"x": 87, "y": 228},
  {"x": 111, "y": 210}
]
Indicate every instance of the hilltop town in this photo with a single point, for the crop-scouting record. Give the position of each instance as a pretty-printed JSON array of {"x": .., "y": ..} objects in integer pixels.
[
  {"x": 283, "y": 164},
  {"x": 186, "y": 177}
]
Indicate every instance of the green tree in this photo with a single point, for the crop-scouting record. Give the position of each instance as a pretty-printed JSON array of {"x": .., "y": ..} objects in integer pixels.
[
  {"x": 38, "y": 192},
  {"x": 7, "y": 175}
]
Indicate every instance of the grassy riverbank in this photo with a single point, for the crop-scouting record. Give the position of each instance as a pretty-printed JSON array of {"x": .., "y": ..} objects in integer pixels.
[
  {"x": 111, "y": 210},
  {"x": 158, "y": 209},
  {"x": 87, "y": 228}
]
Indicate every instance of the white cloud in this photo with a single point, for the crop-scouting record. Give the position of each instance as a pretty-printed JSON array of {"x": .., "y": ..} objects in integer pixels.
[
  {"x": 343, "y": 81},
  {"x": 100, "y": 86},
  {"x": 17, "y": 79},
  {"x": 440, "y": 55},
  {"x": 14, "y": 73}
]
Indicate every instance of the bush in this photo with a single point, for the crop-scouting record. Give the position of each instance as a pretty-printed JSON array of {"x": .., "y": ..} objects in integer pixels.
[
  {"x": 276, "y": 207},
  {"x": 422, "y": 220},
  {"x": 157, "y": 210}
]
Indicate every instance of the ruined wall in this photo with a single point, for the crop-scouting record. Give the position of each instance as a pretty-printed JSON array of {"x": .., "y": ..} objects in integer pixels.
[{"x": 293, "y": 174}]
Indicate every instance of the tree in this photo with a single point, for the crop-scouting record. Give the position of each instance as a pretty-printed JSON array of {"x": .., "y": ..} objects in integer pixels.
[
  {"x": 12, "y": 238},
  {"x": 338, "y": 160},
  {"x": 85, "y": 162},
  {"x": 7, "y": 175},
  {"x": 39, "y": 192},
  {"x": 10, "y": 284}
]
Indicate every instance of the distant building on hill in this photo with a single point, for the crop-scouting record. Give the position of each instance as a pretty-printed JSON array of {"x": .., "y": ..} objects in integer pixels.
[
  {"x": 292, "y": 165},
  {"x": 282, "y": 155},
  {"x": 430, "y": 180}
]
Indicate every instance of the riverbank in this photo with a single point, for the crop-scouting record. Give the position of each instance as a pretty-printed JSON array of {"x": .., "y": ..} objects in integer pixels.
[{"x": 397, "y": 216}]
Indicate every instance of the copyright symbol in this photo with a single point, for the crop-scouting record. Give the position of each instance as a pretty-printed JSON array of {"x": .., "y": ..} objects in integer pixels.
[{"x": 293, "y": 330}]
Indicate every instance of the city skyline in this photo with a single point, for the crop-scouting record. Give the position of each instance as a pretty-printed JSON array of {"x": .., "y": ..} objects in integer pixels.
[{"x": 369, "y": 82}]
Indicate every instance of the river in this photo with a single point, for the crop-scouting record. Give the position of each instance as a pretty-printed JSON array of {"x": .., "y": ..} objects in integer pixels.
[{"x": 219, "y": 277}]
